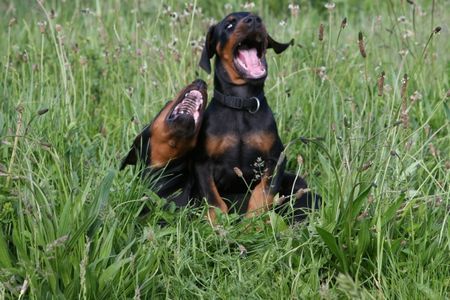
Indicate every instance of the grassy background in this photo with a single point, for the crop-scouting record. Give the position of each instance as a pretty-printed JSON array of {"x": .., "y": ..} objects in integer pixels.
[{"x": 69, "y": 220}]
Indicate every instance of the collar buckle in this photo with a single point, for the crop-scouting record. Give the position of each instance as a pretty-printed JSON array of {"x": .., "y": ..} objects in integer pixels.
[{"x": 258, "y": 104}]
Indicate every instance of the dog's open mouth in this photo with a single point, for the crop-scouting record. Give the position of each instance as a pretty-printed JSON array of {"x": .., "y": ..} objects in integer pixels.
[
  {"x": 249, "y": 57},
  {"x": 190, "y": 105}
]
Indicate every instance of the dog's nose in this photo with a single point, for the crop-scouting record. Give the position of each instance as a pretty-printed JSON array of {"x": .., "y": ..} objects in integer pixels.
[
  {"x": 252, "y": 20},
  {"x": 200, "y": 84}
]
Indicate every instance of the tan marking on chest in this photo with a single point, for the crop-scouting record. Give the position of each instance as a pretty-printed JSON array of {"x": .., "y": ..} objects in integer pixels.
[
  {"x": 261, "y": 141},
  {"x": 217, "y": 145}
]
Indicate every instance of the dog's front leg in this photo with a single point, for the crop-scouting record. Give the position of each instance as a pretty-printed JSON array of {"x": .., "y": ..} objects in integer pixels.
[
  {"x": 263, "y": 194},
  {"x": 208, "y": 189}
]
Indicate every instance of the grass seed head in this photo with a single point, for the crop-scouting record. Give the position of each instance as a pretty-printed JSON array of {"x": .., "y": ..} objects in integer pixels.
[
  {"x": 437, "y": 29},
  {"x": 321, "y": 28},
  {"x": 362, "y": 48},
  {"x": 42, "y": 111},
  {"x": 433, "y": 150},
  {"x": 238, "y": 172},
  {"x": 404, "y": 111},
  {"x": 366, "y": 166},
  {"x": 344, "y": 23},
  {"x": 380, "y": 84}
]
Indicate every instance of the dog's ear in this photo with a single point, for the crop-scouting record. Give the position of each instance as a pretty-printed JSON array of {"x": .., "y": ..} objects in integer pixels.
[
  {"x": 131, "y": 158},
  {"x": 208, "y": 50},
  {"x": 140, "y": 148},
  {"x": 276, "y": 46}
]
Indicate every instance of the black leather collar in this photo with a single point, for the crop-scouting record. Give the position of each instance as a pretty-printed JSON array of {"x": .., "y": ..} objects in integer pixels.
[{"x": 251, "y": 104}]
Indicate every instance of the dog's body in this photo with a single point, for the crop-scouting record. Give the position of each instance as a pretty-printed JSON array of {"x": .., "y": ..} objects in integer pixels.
[
  {"x": 230, "y": 154},
  {"x": 163, "y": 148},
  {"x": 239, "y": 151}
]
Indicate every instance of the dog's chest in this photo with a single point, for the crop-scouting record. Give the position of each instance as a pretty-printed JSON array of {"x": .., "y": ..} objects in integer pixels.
[{"x": 238, "y": 134}]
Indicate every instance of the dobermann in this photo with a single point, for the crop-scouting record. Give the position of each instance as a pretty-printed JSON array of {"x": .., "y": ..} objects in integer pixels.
[
  {"x": 164, "y": 146},
  {"x": 237, "y": 158}
]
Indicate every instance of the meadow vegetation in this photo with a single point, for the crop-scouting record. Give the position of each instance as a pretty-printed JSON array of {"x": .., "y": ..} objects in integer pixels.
[{"x": 362, "y": 98}]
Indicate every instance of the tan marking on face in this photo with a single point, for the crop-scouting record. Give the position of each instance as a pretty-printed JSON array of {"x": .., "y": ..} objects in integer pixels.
[
  {"x": 217, "y": 145},
  {"x": 225, "y": 52},
  {"x": 262, "y": 141},
  {"x": 164, "y": 145},
  {"x": 226, "y": 57}
]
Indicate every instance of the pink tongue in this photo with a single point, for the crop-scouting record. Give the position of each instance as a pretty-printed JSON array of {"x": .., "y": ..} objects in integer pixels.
[{"x": 250, "y": 59}]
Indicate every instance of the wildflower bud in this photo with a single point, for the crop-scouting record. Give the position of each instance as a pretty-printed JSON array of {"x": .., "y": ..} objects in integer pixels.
[
  {"x": 321, "y": 32},
  {"x": 248, "y": 5},
  {"x": 42, "y": 111},
  {"x": 362, "y": 48},
  {"x": 299, "y": 160},
  {"x": 330, "y": 6},
  {"x": 58, "y": 28},
  {"x": 42, "y": 26},
  {"x": 83, "y": 60},
  {"x": 415, "y": 96},
  {"x": 294, "y": 8},
  {"x": 238, "y": 172},
  {"x": 12, "y": 22},
  {"x": 242, "y": 250}
]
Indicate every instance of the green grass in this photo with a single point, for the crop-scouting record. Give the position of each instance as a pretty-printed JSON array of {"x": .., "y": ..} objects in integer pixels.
[{"x": 69, "y": 220}]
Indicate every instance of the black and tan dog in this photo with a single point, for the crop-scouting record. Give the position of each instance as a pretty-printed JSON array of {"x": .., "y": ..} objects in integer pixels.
[
  {"x": 239, "y": 147},
  {"x": 163, "y": 148}
]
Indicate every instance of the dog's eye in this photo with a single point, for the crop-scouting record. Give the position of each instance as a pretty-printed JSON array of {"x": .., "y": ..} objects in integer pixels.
[{"x": 229, "y": 26}]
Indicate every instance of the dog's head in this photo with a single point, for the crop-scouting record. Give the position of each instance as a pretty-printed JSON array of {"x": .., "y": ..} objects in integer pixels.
[
  {"x": 240, "y": 42},
  {"x": 174, "y": 130}
]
